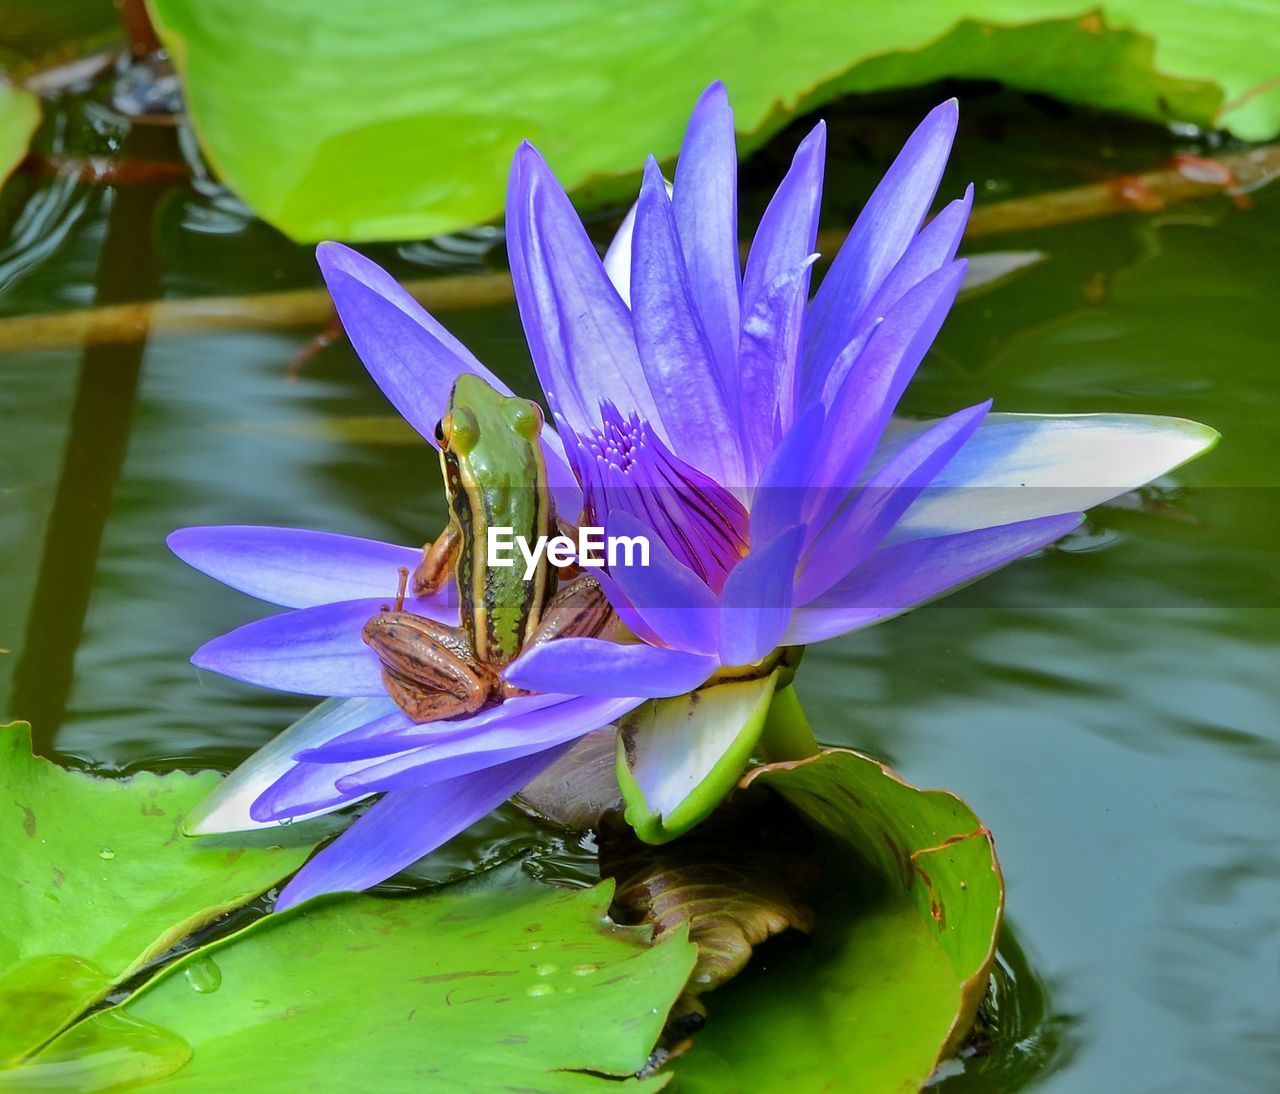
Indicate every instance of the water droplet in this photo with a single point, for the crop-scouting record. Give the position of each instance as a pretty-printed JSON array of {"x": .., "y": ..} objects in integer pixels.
[
  {"x": 546, "y": 970},
  {"x": 585, "y": 970},
  {"x": 540, "y": 989},
  {"x": 203, "y": 976},
  {"x": 535, "y": 945},
  {"x": 106, "y": 853}
]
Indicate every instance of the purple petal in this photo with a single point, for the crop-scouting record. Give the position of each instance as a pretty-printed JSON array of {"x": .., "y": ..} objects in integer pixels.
[
  {"x": 296, "y": 568},
  {"x": 756, "y": 602},
  {"x": 410, "y": 356},
  {"x": 373, "y": 742},
  {"x": 404, "y": 826},
  {"x": 683, "y": 374},
  {"x": 896, "y": 579},
  {"x": 932, "y": 249},
  {"x": 859, "y": 410},
  {"x": 767, "y": 392},
  {"x": 303, "y": 789},
  {"x": 787, "y": 231},
  {"x": 858, "y": 529},
  {"x": 578, "y": 328},
  {"x": 1021, "y": 466},
  {"x": 227, "y": 809},
  {"x": 502, "y": 742},
  {"x": 590, "y": 666},
  {"x": 705, "y": 201},
  {"x": 785, "y": 487},
  {"x": 675, "y": 604},
  {"x": 887, "y": 224},
  {"x": 312, "y": 651}
]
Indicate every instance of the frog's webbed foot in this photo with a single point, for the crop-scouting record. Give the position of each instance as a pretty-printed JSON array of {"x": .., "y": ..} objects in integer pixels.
[{"x": 438, "y": 558}]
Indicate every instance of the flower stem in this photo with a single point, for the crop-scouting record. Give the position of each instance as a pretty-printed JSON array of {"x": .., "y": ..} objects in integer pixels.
[{"x": 787, "y": 735}]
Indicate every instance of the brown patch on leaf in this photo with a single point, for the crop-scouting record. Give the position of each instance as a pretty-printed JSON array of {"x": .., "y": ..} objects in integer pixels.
[{"x": 739, "y": 878}]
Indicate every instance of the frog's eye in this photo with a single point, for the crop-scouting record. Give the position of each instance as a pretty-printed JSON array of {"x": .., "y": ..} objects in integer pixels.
[
  {"x": 528, "y": 420},
  {"x": 440, "y": 432},
  {"x": 462, "y": 430}
]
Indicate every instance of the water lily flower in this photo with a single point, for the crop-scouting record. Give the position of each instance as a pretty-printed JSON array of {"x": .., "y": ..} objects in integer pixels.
[{"x": 711, "y": 406}]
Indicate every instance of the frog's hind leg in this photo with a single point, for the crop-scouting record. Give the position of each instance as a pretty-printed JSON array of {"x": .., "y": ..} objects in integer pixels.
[
  {"x": 578, "y": 610},
  {"x": 437, "y": 562}
]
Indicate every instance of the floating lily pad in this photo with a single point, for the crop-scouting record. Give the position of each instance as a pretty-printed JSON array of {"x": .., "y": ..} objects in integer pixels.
[
  {"x": 384, "y": 120},
  {"x": 889, "y": 981},
  {"x": 496, "y": 984},
  {"x": 99, "y": 880}
]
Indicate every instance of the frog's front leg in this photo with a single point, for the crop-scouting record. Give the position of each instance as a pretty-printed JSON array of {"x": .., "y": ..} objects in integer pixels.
[
  {"x": 437, "y": 562},
  {"x": 427, "y": 667}
]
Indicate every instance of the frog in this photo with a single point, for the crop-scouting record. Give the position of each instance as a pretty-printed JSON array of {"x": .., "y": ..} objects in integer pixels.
[{"x": 495, "y": 475}]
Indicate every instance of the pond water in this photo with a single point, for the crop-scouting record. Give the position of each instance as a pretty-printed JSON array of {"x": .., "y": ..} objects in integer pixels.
[{"x": 1111, "y": 709}]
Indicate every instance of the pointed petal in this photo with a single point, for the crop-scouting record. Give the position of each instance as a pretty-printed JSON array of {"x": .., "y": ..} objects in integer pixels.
[
  {"x": 887, "y": 224},
  {"x": 789, "y": 227},
  {"x": 705, "y": 202},
  {"x": 767, "y": 360},
  {"x": 312, "y": 651},
  {"x": 227, "y": 808},
  {"x": 307, "y": 788},
  {"x": 858, "y": 528},
  {"x": 296, "y": 568},
  {"x": 673, "y": 602},
  {"x": 406, "y": 825},
  {"x": 932, "y": 249},
  {"x": 578, "y": 328},
  {"x": 1020, "y": 466},
  {"x": 503, "y": 741},
  {"x": 617, "y": 259},
  {"x": 755, "y": 606},
  {"x": 375, "y": 743},
  {"x": 591, "y": 666},
  {"x": 684, "y": 377},
  {"x": 785, "y": 488},
  {"x": 897, "y": 579},
  {"x": 679, "y": 757},
  {"x": 860, "y": 408},
  {"x": 410, "y": 356}
]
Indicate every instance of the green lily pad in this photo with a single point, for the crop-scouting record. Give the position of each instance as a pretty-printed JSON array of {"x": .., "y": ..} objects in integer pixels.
[
  {"x": 890, "y": 980},
  {"x": 387, "y": 121},
  {"x": 497, "y": 984},
  {"x": 99, "y": 881},
  {"x": 19, "y": 116}
]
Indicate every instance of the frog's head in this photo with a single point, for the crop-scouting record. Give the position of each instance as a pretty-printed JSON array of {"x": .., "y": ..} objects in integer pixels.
[{"x": 478, "y": 414}]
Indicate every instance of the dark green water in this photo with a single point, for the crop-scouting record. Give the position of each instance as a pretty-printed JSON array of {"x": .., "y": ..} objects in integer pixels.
[{"x": 1112, "y": 710}]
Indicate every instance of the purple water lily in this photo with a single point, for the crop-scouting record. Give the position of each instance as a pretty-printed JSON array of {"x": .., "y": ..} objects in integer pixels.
[{"x": 707, "y": 405}]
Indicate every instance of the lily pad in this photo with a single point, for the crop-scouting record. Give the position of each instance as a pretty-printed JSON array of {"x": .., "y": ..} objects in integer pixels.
[
  {"x": 386, "y": 121},
  {"x": 890, "y": 980},
  {"x": 99, "y": 881},
  {"x": 19, "y": 116},
  {"x": 498, "y": 984}
]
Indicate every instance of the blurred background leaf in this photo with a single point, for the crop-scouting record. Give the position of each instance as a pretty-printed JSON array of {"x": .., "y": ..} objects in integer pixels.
[{"x": 396, "y": 119}]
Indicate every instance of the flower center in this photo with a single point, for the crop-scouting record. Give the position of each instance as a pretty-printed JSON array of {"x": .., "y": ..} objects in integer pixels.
[{"x": 625, "y": 466}]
